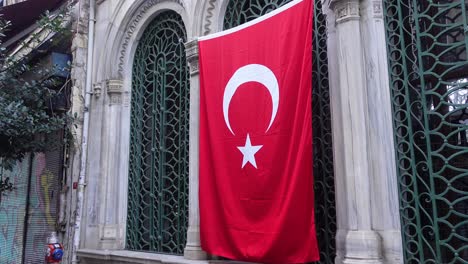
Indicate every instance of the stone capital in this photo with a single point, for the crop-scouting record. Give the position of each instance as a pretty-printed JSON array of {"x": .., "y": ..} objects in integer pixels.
[
  {"x": 114, "y": 90},
  {"x": 191, "y": 51},
  {"x": 377, "y": 10},
  {"x": 345, "y": 10},
  {"x": 114, "y": 86}
]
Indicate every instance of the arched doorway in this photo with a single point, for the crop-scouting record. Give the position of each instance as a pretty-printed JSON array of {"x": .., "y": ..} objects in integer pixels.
[{"x": 159, "y": 139}]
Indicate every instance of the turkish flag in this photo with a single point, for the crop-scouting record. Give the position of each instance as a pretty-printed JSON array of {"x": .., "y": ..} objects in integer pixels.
[{"x": 256, "y": 184}]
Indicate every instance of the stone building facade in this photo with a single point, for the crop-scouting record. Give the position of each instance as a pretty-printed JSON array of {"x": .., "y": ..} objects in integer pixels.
[{"x": 366, "y": 183}]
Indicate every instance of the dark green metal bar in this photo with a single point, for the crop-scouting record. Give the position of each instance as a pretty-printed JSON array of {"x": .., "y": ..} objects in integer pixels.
[
  {"x": 154, "y": 243},
  {"x": 426, "y": 133},
  {"x": 162, "y": 169},
  {"x": 465, "y": 24},
  {"x": 179, "y": 180},
  {"x": 408, "y": 117}
]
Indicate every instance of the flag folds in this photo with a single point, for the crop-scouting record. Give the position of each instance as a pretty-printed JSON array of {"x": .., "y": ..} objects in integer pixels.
[{"x": 256, "y": 184}]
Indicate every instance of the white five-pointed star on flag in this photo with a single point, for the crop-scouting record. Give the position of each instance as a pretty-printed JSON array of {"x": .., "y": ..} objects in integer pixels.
[{"x": 249, "y": 152}]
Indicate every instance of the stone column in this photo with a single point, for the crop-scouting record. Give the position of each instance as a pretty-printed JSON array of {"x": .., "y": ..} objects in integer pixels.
[
  {"x": 337, "y": 130},
  {"x": 193, "y": 249},
  {"x": 357, "y": 242},
  {"x": 384, "y": 185}
]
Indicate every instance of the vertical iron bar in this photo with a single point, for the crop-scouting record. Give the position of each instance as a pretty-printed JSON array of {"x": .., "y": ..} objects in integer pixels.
[
  {"x": 162, "y": 162},
  {"x": 465, "y": 26},
  {"x": 427, "y": 134},
  {"x": 409, "y": 125},
  {"x": 152, "y": 195},
  {"x": 179, "y": 179}
]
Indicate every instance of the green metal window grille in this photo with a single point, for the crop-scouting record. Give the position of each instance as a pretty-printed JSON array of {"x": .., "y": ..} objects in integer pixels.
[
  {"x": 159, "y": 135},
  {"x": 241, "y": 11},
  {"x": 428, "y": 68}
]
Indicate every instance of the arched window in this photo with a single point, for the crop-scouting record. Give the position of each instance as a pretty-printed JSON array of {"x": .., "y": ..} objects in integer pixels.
[
  {"x": 241, "y": 11},
  {"x": 159, "y": 133}
]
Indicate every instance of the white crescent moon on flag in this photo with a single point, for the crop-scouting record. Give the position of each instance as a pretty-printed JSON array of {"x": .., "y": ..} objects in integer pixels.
[{"x": 251, "y": 73}]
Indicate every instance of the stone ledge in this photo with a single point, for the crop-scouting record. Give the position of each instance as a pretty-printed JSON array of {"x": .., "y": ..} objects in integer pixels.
[{"x": 94, "y": 256}]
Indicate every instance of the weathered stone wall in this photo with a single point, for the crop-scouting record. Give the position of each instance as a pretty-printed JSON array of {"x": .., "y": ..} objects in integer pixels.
[
  {"x": 79, "y": 28},
  {"x": 366, "y": 189}
]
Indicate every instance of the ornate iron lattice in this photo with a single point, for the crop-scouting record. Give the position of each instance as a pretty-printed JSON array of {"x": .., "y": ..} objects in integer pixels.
[
  {"x": 324, "y": 180},
  {"x": 158, "y": 177},
  {"x": 241, "y": 11},
  {"x": 428, "y": 67}
]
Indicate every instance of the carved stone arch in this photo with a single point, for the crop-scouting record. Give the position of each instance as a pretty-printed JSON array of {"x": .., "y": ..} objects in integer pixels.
[
  {"x": 205, "y": 17},
  {"x": 222, "y": 11},
  {"x": 137, "y": 17}
]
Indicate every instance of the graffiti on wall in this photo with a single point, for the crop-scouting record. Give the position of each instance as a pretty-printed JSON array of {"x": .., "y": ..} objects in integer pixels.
[
  {"x": 12, "y": 211},
  {"x": 15, "y": 236}
]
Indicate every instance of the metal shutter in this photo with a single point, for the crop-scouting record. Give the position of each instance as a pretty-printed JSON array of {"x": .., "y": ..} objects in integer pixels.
[{"x": 12, "y": 212}]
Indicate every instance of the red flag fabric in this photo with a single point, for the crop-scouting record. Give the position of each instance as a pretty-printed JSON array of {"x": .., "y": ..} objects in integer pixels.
[{"x": 256, "y": 184}]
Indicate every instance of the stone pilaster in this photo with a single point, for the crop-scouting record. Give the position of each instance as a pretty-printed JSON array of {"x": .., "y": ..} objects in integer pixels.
[
  {"x": 111, "y": 230},
  {"x": 337, "y": 131},
  {"x": 193, "y": 249},
  {"x": 357, "y": 242}
]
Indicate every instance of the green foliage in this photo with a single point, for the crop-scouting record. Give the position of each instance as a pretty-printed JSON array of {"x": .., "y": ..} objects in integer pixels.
[{"x": 27, "y": 118}]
